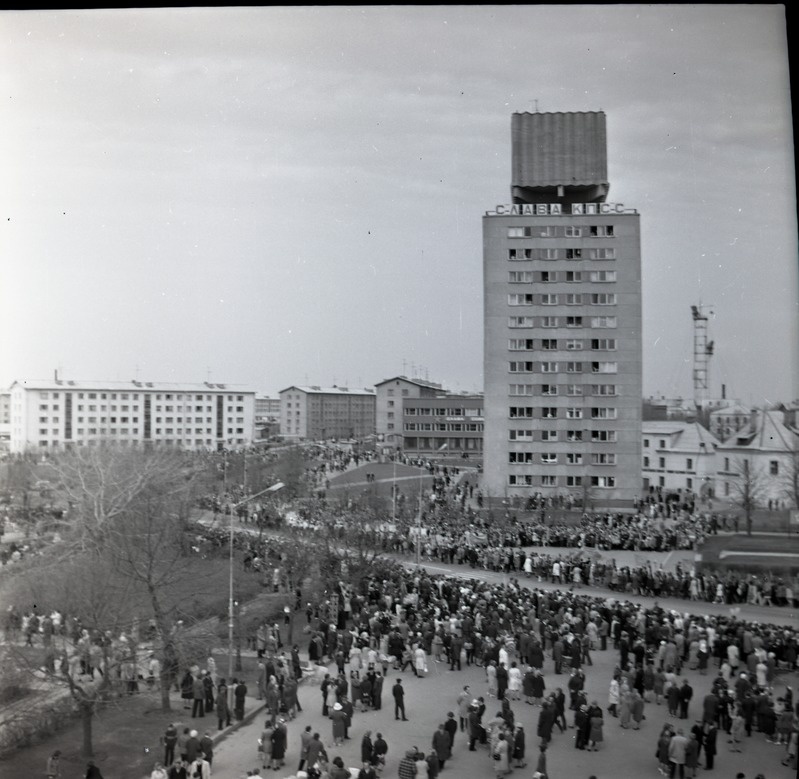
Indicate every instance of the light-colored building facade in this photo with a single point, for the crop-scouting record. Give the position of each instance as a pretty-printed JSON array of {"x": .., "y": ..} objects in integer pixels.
[
  {"x": 678, "y": 456},
  {"x": 266, "y": 407},
  {"x": 5, "y": 421},
  {"x": 390, "y": 395},
  {"x": 323, "y": 413},
  {"x": 562, "y": 308},
  {"x": 57, "y": 414},
  {"x": 728, "y": 420},
  {"x": 770, "y": 449},
  {"x": 449, "y": 425}
]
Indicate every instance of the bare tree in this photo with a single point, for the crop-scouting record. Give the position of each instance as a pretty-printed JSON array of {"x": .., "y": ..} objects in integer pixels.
[
  {"x": 790, "y": 477},
  {"x": 86, "y": 588},
  {"x": 131, "y": 507},
  {"x": 748, "y": 490},
  {"x": 101, "y": 483}
]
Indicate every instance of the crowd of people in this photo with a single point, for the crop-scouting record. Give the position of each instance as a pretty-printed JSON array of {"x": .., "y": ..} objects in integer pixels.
[{"x": 525, "y": 638}]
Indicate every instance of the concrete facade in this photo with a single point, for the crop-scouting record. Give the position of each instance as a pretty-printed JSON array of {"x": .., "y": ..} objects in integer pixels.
[
  {"x": 679, "y": 456},
  {"x": 390, "y": 395},
  {"x": 562, "y": 348},
  {"x": 449, "y": 425},
  {"x": 323, "y": 413},
  {"x": 770, "y": 449},
  {"x": 57, "y": 414}
]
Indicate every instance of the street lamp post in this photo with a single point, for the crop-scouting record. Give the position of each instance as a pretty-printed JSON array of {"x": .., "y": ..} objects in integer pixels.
[
  {"x": 419, "y": 525},
  {"x": 231, "y": 618}
]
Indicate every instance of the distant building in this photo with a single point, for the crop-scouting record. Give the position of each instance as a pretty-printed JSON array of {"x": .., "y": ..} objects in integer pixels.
[
  {"x": 448, "y": 425},
  {"x": 323, "y": 413},
  {"x": 678, "y": 456},
  {"x": 562, "y": 314},
  {"x": 769, "y": 447},
  {"x": 51, "y": 415},
  {"x": 266, "y": 408},
  {"x": 726, "y": 421},
  {"x": 5, "y": 421},
  {"x": 389, "y": 397}
]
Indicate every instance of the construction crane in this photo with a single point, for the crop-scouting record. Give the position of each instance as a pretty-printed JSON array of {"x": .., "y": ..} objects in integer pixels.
[{"x": 703, "y": 351}]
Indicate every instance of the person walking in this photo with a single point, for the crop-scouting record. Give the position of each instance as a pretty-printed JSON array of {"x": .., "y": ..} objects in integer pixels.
[
  {"x": 546, "y": 721},
  {"x": 170, "y": 739},
  {"x": 407, "y": 766},
  {"x": 664, "y": 740},
  {"x": 595, "y": 735},
  {"x": 339, "y": 724},
  {"x": 441, "y": 745},
  {"x": 686, "y": 693},
  {"x": 53, "y": 770},
  {"x": 239, "y": 695},
  {"x": 398, "y": 691},
  {"x": 519, "y": 748},
  {"x": 279, "y": 741},
  {"x": 265, "y": 744},
  {"x": 613, "y": 696},
  {"x": 677, "y": 749},
  {"x": 692, "y": 756},
  {"x": 711, "y": 734},
  {"x": 222, "y": 707},
  {"x": 379, "y": 752},
  {"x": 463, "y": 701},
  {"x": 737, "y": 731},
  {"x": 305, "y": 741},
  {"x": 502, "y": 756},
  {"x": 198, "y": 693}
]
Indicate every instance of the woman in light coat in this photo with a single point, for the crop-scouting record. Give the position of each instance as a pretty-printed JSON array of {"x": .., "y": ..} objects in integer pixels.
[
  {"x": 613, "y": 696},
  {"x": 501, "y": 756}
]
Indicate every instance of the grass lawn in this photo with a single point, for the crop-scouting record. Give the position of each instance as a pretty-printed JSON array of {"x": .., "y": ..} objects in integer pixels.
[{"x": 126, "y": 733}]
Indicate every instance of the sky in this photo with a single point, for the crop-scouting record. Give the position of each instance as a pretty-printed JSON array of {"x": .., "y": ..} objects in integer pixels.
[{"x": 277, "y": 196}]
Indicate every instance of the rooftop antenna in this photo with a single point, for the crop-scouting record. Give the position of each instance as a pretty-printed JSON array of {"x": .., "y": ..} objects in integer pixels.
[{"x": 404, "y": 365}]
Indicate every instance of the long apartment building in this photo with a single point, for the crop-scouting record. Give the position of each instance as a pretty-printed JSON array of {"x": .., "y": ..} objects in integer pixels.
[
  {"x": 59, "y": 413},
  {"x": 323, "y": 413},
  {"x": 562, "y": 308}
]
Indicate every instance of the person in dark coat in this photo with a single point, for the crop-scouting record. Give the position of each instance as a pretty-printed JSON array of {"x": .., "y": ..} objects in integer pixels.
[
  {"x": 691, "y": 756},
  {"x": 398, "y": 691},
  {"x": 519, "y": 747},
  {"x": 451, "y": 726},
  {"x": 207, "y": 747},
  {"x": 441, "y": 745},
  {"x": 557, "y": 655},
  {"x": 698, "y": 730},
  {"x": 379, "y": 752},
  {"x": 581, "y": 725},
  {"x": 377, "y": 692},
  {"x": 170, "y": 739},
  {"x": 279, "y": 739},
  {"x": 710, "y": 744},
  {"x": 192, "y": 747},
  {"x": 546, "y": 720},
  {"x": 92, "y": 771},
  {"x": 475, "y": 727},
  {"x": 502, "y": 681},
  {"x": 367, "y": 747},
  {"x": 187, "y": 689},
  {"x": 686, "y": 693},
  {"x": 222, "y": 708},
  {"x": 239, "y": 694}
]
